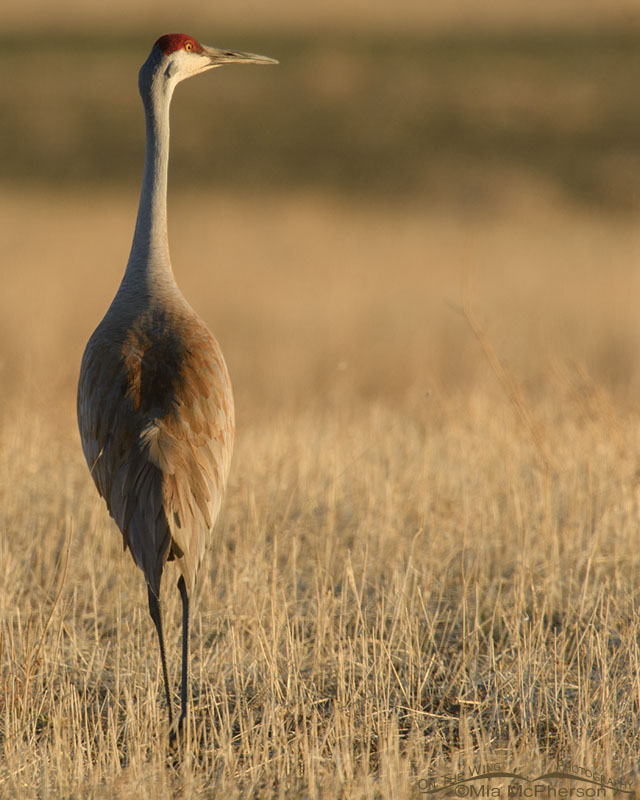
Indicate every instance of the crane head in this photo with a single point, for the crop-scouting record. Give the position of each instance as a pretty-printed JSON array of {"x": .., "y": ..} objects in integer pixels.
[{"x": 176, "y": 56}]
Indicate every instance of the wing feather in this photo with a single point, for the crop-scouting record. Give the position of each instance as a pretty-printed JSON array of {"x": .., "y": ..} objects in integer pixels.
[{"x": 155, "y": 411}]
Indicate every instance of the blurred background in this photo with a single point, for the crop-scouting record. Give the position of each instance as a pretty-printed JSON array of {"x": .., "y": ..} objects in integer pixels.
[
  {"x": 440, "y": 101},
  {"x": 327, "y": 216}
]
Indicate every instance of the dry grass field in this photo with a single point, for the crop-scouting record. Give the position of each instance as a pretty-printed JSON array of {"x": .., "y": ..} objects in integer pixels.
[{"x": 427, "y": 559}]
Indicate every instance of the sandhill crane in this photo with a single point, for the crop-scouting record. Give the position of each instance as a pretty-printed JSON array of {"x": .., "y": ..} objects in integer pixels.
[{"x": 155, "y": 408}]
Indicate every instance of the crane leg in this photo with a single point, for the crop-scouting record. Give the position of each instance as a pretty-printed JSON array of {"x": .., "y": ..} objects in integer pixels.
[
  {"x": 185, "y": 649},
  {"x": 156, "y": 616}
]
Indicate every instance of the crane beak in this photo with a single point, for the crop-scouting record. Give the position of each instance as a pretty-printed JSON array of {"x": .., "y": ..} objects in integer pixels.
[{"x": 217, "y": 56}]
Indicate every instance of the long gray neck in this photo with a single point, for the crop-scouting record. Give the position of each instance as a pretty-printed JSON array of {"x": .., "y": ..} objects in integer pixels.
[{"x": 149, "y": 267}]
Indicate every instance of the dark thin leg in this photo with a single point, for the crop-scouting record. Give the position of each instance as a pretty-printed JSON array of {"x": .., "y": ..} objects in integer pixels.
[
  {"x": 185, "y": 648},
  {"x": 156, "y": 616}
]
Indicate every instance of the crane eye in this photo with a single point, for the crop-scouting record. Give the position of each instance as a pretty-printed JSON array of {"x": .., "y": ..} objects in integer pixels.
[{"x": 188, "y": 46}]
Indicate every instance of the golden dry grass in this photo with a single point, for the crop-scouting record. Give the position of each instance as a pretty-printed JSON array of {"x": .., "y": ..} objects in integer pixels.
[{"x": 427, "y": 559}]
